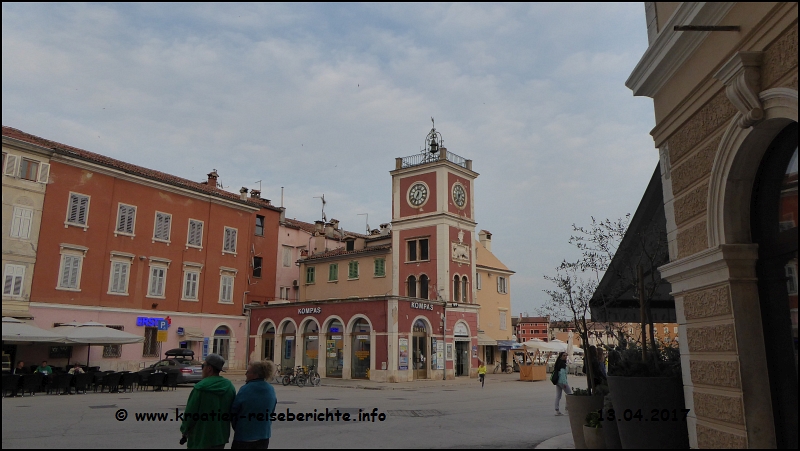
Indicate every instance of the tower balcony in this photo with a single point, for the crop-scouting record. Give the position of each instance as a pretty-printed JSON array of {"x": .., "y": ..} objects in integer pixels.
[{"x": 427, "y": 157}]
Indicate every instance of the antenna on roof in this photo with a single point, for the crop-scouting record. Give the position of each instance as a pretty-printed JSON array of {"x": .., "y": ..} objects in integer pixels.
[
  {"x": 367, "y": 215},
  {"x": 259, "y": 184},
  {"x": 324, "y": 218}
]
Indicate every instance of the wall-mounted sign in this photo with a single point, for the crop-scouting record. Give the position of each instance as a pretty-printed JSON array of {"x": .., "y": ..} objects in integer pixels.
[
  {"x": 161, "y": 336},
  {"x": 362, "y": 337},
  {"x": 460, "y": 330},
  {"x": 180, "y": 331},
  {"x": 146, "y": 321},
  {"x": 474, "y": 352},
  {"x": 205, "y": 348},
  {"x": 403, "y": 347},
  {"x": 422, "y": 306},
  {"x": 309, "y": 310},
  {"x": 439, "y": 355},
  {"x": 336, "y": 337},
  {"x": 334, "y": 329},
  {"x": 313, "y": 337}
]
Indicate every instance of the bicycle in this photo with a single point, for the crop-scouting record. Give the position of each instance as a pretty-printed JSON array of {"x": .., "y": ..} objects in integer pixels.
[
  {"x": 277, "y": 378},
  {"x": 311, "y": 375},
  {"x": 295, "y": 377},
  {"x": 499, "y": 369}
]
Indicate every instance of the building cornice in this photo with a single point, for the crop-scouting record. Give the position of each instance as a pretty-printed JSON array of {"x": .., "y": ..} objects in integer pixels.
[
  {"x": 671, "y": 49},
  {"x": 136, "y": 311},
  {"x": 493, "y": 269},
  {"x": 44, "y": 151}
]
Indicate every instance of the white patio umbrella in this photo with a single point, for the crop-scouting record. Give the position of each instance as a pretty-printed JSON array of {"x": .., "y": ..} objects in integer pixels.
[
  {"x": 559, "y": 345},
  {"x": 19, "y": 332},
  {"x": 540, "y": 345},
  {"x": 93, "y": 333},
  {"x": 569, "y": 347}
]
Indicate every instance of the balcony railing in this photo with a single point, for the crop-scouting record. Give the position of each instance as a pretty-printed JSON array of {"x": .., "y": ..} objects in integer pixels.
[{"x": 427, "y": 157}]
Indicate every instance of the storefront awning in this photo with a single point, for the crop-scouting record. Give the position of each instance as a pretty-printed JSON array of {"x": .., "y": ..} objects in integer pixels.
[
  {"x": 485, "y": 340},
  {"x": 192, "y": 334},
  {"x": 508, "y": 345}
]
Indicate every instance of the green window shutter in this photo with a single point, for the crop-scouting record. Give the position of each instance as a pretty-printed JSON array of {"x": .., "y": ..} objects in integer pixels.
[
  {"x": 310, "y": 274},
  {"x": 333, "y": 272},
  {"x": 353, "y": 270},
  {"x": 380, "y": 267}
]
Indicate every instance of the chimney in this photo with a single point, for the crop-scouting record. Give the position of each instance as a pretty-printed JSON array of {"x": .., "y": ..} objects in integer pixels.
[
  {"x": 329, "y": 228},
  {"x": 485, "y": 237},
  {"x": 255, "y": 194},
  {"x": 243, "y": 193},
  {"x": 335, "y": 224},
  {"x": 386, "y": 228},
  {"x": 319, "y": 226},
  {"x": 212, "y": 178},
  {"x": 283, "y": 213}
]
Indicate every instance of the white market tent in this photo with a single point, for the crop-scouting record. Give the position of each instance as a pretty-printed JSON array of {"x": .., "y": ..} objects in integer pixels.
[
  {"x": 19, "y": 332},
  {"x": 92, "y": 333}
]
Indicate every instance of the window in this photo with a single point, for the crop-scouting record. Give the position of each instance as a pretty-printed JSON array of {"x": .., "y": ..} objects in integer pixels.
[
  {"x": 110, "y": 351},
  {"x": 226, "y": 289},
  {"x": 287, "y": 256},
  {"x": 285, "y": 293},
  {"x": 380, "y": 267},
  {"x": 126, "y": 219},
  {"x": 333, "y": 272},
  {"x": 10, "y": 164},
  {"x": 417, "y": 250},
  {"x": 150, "y": 348},
  {"x": 70, "y": 271},
  {"x": 502, "y": 287},
  {"x": 158, "y": 276},
  {"x": 163, "y": 226},
  {"x": 456, "y": 289},
  {"x": 423, "y": 286},
  {"x": 464, "y": 289},
  {"x": 675, "y": 330},
  {"x": 310, "y": 275},
  {"x": 195, "y": 236},
  {"x": 21, "y": 223},
  {"x": 259, "y": 225},
  {"x": 229, "y": 243},
  {"x": 352, "y": 270},
  {"x": 411, "y": 287},
  {"x": 34, "y": 170},
  {"x": 791, "y": 279},
  {"x": 78, "y": 210},
  {"x": 257, "y": 264},
  {"x": 13, "y": 279},
  {"x": 478, "y": 281},
  {"x": 190, "y": 278},
  {"x": 350, "y": 245},
  {"x": 503, "y": 321},
  {"x": 118, "y": 283}
]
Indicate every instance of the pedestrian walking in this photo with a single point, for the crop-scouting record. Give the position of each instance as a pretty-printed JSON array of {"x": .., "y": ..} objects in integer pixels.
[
  {"x": 560, "y": 369},
  {"x": 482, "y": 372},
  {"x": 251, "y": 410},
  {"x": 206, "y": 420}
]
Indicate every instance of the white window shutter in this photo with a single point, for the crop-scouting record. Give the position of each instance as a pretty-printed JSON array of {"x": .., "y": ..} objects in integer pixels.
[
  {"x": 44, "y": 173},
  {"x": 83, "y": 205},
  {"x": 166, "y": 227},
  {"x": 16, "y": 222},
  {"x": 11, "y": 165},
  {"x": 73, "y": 208},
  {"x": 73, "y": 276}
]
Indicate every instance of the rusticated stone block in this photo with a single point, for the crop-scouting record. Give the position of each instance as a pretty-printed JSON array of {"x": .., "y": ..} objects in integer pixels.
[
  {"x": 719, "y": 407},
  {"x": 707, "y": 303},
  {"x": 691, "y": 205},
  {"x": 780, "y": 57},
  {"x": 708, "y": 438},
  {"x": 718, "y": 338},
  {"x": 716, "y": 373},
  {"x": 692, "y": 240},
  {"x": 710, "y": 117},
  {"x": 696, "y": 166}
]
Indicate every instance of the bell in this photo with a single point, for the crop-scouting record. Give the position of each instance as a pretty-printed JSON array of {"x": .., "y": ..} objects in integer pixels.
[{"x": 434, "y": 146}]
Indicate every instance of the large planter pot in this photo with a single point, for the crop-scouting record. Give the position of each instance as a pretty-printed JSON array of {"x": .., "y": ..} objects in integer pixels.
[
  {"x": 651, "y": 397},
  {"x": 578, "y": 407},
  {"x": 594, "y": 438}
]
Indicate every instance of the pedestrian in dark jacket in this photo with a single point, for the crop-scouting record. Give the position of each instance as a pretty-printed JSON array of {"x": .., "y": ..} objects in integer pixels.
[
  {"x": 251, "y": 410},
  {"x": 206, "y": 420}
]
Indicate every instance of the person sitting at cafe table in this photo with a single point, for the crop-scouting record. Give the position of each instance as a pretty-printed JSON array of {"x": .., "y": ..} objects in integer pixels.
[
  {"x": 44, "y": 368},
  {"x": 21, "y": 369},
  {"x": 76, "y": 369}
]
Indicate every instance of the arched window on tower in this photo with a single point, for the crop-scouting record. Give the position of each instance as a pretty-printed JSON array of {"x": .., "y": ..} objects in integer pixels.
[
  {"x": 423, "y": 286},
  {"x": 464, "y": 289},
  {"x": 456, "y": 289},
  {"x": 411, "y": 287}
]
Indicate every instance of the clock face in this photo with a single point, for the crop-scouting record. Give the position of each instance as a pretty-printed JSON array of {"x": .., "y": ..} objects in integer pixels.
[
  {"x": 418, "y": 194},
  {"x": 459, "y": 195}
]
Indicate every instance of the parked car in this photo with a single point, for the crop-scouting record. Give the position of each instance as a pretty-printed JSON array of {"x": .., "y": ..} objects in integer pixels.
[{"x": 179, "y": 361}]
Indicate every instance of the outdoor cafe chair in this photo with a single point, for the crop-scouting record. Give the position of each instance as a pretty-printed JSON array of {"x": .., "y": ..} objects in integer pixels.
[
  {"x": 11, "y": 384},
  {"x": 129, "y": 380},
  {"x": 97, "y": 379},
  {"x": 31, "y": 383},
  {"x": 82, "y": 382},
  {"x": 111, "y": 380},
  {"x": 172, "y": 380},
  {"x": 144, "y": 380},
  {"x": 157, "y": 380},
  {"x": 60, "y": 383}
]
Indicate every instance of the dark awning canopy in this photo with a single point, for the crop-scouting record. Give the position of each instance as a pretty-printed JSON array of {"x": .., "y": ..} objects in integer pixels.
[{"x": 616, "y": 298}]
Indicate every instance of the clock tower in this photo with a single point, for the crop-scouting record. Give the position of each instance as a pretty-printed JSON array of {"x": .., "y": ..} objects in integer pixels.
[{"x": 433, "y": 224}]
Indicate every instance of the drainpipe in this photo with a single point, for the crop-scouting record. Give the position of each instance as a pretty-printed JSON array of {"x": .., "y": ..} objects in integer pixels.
[{"x": 246, "y": 312}]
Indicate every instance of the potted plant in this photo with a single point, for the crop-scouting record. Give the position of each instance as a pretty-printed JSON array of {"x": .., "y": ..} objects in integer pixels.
[
  {"x": 610, "y": 430},
  {"x": 579, "y": 404},
  {"x": 593, "y": 431}
]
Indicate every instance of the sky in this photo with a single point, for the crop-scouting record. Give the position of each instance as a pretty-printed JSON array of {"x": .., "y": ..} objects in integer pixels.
[{"x": 321, "y": 98}]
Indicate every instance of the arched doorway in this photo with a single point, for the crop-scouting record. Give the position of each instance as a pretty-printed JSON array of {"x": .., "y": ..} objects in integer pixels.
[
  {"x": 222, "y": 342},
  {"x": 310, "y": 344},
  {"x": 359, "y": 366},
  {"x": 774, "y": 228},
  {"x": 334, "y": 343},
  {"x": 268, "y": 340},
  {"x": 287, "y": 345},
  {"x": 419, "y": 349},
  {"x": 461, "y": 337}
]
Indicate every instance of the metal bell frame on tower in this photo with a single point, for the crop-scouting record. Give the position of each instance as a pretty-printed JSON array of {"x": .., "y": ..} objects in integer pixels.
[{"x": 433, "y": 143}]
